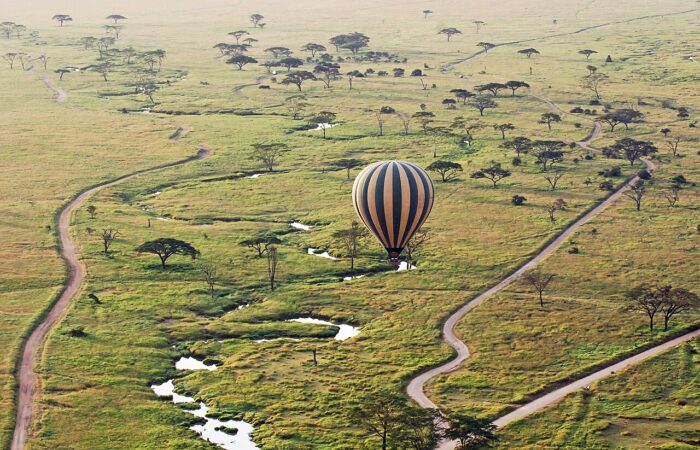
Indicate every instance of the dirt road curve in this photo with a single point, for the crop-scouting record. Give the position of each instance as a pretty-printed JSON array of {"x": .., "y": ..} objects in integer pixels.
[
  {"x": 559, "y": 394},
  {"x": 416, "y": 388},
  {"x": 26, "y": 376}
]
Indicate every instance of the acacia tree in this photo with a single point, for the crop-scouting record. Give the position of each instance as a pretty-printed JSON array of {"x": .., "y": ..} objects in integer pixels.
[
  {"x": 587, "y": 53},
  {"x": 405, "y": 122},
  {"x": 449, "y": 32},
  {"x": 327, "y": 72},
  {"x": 167, "y": 247},
  {"x": 353, "y": 42},
  {"x": 241, "y": 61},
  {"x": 313, "y": 48},
  {"x": 515, "y": 85},
  {"x": 495, "y": 173},
  {"x": 237, "y": 35},
  {"x": 260, "y": 244},
  {"x": 470, "y": 432},
  {"x": 673, "y": 145},
  {"x": 298, "y": 77},
  {"x": 630, "y": 149},
  {"x": 647, "y": 300},
  {"x": 557, "y": 205},
  {"x": 62, "y": 72},
  {"x": 486, "y": 46},
  {"x": 380, "y": 413},
  {"x": 268, "y": 154},
  {"x": 296, "y": 105},
  {"x": 210, "y": 273},
  {"x": 324, "y": 120},
  {"x": 593, "y": 82},
  {"x": 553, "y": 179},
  {"x": 425, "y": 118},
  {"x": 92, "y": 210},
  {"x": 503, "y": 127},
  {"x": 548, "y": 118},
  {"x": 539, "y": 282},
  {"x": 479, "y": 24},
  {"x": 493, "y": 88},
  {"x": 426, "y": 12},
  {"x": 462, "y": 94},
  {"x": 548, "y": 152},
  {"x": 60, "y": 18},
  {"x": 636, "y": 192},
  {"x": 256, "y": 18},
  {"x": 483, "y": 103},
  {"x": 116, "y": 29},
  {"x": 349, "y": 239},
  {"x": 519, "y": 144},
  {"x": 676, "y": 300},
  {"x": 44, "y": 60},
  {"x": 108, "y": 236},
  {"x": 88, "y": 41},
  {"x": 622, "y": 116},
  {"x": 348, "y": 164},
  {"x": 116, "y": 17},
  {"x": 290, "y": 62},
  {"x": 272, "y": 263},
  {"x": 529, "y": 52},
  {"x": 447, "y": 169},
  {"x": 8, "y": 28},
  {"x": 10, "y": 58}
]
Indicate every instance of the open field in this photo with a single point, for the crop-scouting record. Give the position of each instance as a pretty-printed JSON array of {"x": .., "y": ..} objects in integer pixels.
[{"x": 96, "y": 389}]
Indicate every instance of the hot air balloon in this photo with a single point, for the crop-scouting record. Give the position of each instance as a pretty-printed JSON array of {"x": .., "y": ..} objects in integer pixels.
[{"x": 393, "y": 199}]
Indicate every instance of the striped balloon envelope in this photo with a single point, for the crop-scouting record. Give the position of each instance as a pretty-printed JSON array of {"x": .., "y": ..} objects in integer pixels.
[{"x": 393, "y": 199}]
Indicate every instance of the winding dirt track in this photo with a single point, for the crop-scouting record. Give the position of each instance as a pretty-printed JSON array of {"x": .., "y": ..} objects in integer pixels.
[
  {"x": 60, "y": 93},
  {"x": 26, "y": 375}
]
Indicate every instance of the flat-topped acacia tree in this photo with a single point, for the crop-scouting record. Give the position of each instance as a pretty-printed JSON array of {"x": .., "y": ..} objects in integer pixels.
[
  {"x": 483, "y": 103},
  {"x": 529, "y": 52},
  {"x": 426, "y": 13},
  {"x": 60, "y": 18},
  {"x": 298, "y": 77},
  {"x": 167, "y": 247},
  {"x": 238, "y": 35},
  {"x": 241, "y": 61},
  {"x": 548, "y": 118},
  {"x": 514, "y": 85},
  {"x": 116, "y": 17},
  {"x": 486, "y": 46},
  {"x": 478, "y": 24},
  {"x": 449, "y": 32},
  {"x": 313, "y": 48},
  {"x": 587, "y": 53}
]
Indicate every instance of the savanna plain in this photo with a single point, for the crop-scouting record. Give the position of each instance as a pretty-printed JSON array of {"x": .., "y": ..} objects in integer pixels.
[{"x": 277, "y": 324}]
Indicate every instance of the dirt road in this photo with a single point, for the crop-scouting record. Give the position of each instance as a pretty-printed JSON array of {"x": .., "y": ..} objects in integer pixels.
[
  {"x": 416, "y": 388},
  {"x": 26, "y": 375}
]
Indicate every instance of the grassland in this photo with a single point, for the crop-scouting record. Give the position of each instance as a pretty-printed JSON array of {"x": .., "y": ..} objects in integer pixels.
[{"x": 98, "y": 386}]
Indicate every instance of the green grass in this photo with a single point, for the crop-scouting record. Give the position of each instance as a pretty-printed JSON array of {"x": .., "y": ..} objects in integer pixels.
[{"x": 98, "y": 386}]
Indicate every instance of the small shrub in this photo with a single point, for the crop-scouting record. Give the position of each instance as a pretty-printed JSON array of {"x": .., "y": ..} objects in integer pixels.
[
  {"x": 644, "y": 174},
  {"x": 606, "y": 185},
  {"x": 612, "y": 172},
  {"x": 517, "y": 161},
  {"x": 518, "y": 200}
]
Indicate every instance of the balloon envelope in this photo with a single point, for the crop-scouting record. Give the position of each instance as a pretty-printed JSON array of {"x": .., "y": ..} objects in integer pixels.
[{"x": 393, "y": 199}]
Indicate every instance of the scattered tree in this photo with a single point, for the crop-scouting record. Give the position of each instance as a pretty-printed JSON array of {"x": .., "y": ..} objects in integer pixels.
[
  {"x": 519, "y": 144},
  {"x": 210, "y": 274},
  {"x": 413, "y": 246},
  {"x": 352, "y": 75},
  {"x": 425, "y": 118},
  {"x": 647, "y": 300},
  {"x": 548, "y": 152},
  {"x": 296, "y": 105},
  {"x": 241, "y": 61},
  {"x": 261, "y": 244},
  {"x": 256, "y": 18},
  {"x": 636, "y": 192},
  {"x": 268, "y": 154},
  {"x": 348, "y": 164},
  {"x": 515, "y": 85},
  {"x": 553, "y": 179},
  {"x": 483, "y": 103},
  {"x": 449, "y": 32},
  {"x": 426, "y": 12},
  {"x": 486, "y": 46},
  {"x": 539, "y": 282},
  {"x": 622, "y": 116},
  {"x": 313, "y": 48},
  {"x": 380, "y": 413},
  {"x": 92, "y": 210},
  {"x": 676, "y": 300},
  {"x": 593, "y": 82},
  {"x": 548, "y": 118},
  {"x": 529, "y": 52},
  {"x": 298, "y": 77},
  {"x": 557, "y": 205},
  {"x": 327, "y": 72},
  {"x": 470, "y": 432},
  {"x": 479, "y": 24},
  {"x": 447, "y": 169},
  {"x": 238, "y": 35},
  {"x": 349, "y": 239},
  {"x": 167, "y": 247},
  {"x": 495, "y": 173},
  {"x": 630, "y": 149},
  {"x": 116, "y": 17},
  {"x": 503, "y": 128},
  {"x": 272, "y": 263},
  {"x": 462, "y": 94},
  {"x": 60, "y": 18},
  {"x": 673, "y": 145},
  {"x": 493, "y": 88},
  {"x": 587, "y": 53},
  {"x": 108, "y": 236},
  {"x": 324, "y": 120}
]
